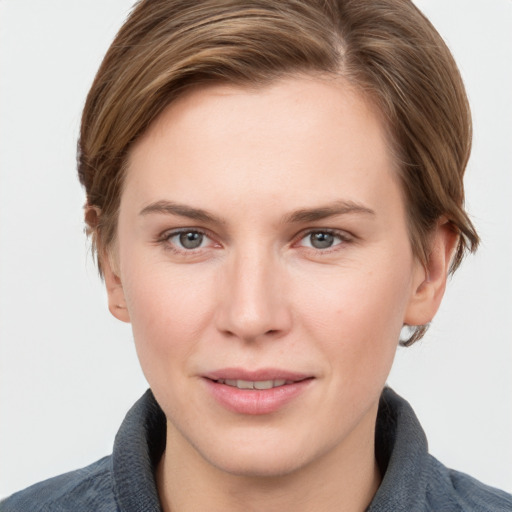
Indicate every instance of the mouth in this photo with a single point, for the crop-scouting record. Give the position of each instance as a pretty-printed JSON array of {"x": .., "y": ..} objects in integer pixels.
[
  {"x": 265, "y": 378},
  {"x": 255, "y": 384},
  {"x": 256, "y": 392}
]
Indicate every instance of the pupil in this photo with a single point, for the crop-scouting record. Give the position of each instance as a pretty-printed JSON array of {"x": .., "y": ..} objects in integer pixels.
[
  {"x": 191, "y": 240},
  {"x": 321, "y": 240}
]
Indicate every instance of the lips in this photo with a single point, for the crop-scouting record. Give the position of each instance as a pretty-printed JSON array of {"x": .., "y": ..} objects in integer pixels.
[
  {"x": 254, "y": 384},
  {"x": 256, "y": 392},
  {"x": 263, "y": 374}
]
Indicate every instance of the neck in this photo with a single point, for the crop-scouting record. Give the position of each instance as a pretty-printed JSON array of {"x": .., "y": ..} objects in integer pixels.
[{"x": 346, "y": 478}]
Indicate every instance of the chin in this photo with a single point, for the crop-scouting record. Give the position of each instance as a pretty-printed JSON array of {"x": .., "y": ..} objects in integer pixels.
[
  {"x": 260, "y": 467},
  {"x": 259, "y": 461}
]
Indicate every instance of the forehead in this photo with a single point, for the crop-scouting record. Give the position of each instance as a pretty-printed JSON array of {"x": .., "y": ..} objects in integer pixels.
[{"x": 298, "y": 137}]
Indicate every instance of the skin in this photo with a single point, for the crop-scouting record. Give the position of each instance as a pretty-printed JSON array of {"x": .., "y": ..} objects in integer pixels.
[{"x": 257, "y": 293}]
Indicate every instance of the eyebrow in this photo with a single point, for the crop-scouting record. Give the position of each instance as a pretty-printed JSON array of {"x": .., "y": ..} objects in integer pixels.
[
  {"x": 330, "y": 210},
  {"x": 302, "y": 215},
  {"x": 182, "y": 210}
]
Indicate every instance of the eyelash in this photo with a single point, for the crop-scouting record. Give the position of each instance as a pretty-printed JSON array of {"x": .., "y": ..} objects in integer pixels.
[
  {"x": 166, "y": 237},
  {"x": 342, "y": 236}
]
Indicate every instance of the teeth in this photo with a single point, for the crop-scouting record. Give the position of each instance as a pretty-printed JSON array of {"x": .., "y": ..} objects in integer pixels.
[
  {"x": 249, "y": 384},
  {"x": 264, "y": 384},
  {"x": 244, "y": 384}
]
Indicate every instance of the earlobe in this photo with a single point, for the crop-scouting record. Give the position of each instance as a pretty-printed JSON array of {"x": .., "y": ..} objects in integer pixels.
[
  {"x": 429, "y": 286},
  {"x": 115, "y": 292}
]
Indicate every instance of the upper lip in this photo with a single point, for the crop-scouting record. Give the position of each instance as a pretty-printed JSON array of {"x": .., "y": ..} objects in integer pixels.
[{"x": 262, "y": 374}]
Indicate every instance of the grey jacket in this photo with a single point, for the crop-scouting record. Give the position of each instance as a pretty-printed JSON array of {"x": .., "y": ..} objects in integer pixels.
[{"x": 413, "y": 480}]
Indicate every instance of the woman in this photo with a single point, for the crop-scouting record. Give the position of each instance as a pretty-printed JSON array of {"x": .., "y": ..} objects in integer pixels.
[{"x": 273, "y": 194}]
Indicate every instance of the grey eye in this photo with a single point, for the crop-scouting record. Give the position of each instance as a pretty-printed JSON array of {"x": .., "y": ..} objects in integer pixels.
[
  {"x": 190, "y": 239},
  {"x": 322, "y": 240}
]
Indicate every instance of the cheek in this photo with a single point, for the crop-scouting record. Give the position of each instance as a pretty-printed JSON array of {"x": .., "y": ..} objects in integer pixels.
[
  {"x": 357, "y": 312},
  {"x": 169, "y": 311}
]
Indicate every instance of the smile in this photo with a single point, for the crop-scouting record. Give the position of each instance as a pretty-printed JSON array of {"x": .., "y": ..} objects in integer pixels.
[
  {"x": 254, "y": 384},
  {"x": 257, "y": 392}
]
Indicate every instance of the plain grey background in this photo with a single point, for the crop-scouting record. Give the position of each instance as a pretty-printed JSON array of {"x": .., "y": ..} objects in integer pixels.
[{"x": 68, "y": 371}]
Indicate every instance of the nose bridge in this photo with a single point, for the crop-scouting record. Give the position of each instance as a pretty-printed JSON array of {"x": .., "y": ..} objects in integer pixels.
[{"x": 254, "y": 302}]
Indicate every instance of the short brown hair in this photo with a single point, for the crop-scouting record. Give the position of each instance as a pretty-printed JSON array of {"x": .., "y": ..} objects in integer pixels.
[{"x": 385, "y": 48}]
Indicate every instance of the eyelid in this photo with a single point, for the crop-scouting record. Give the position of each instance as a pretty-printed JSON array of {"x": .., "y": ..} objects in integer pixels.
[
  {"x": 165, "y": 236},
  {"x": 343, "y": 235}
]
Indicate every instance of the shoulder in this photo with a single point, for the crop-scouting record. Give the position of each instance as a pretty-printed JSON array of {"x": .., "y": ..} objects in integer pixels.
[
  {"x": 413, "y": 480},
  {"x": 460, "y": 492},
  {"x": 89, "y": 488}
]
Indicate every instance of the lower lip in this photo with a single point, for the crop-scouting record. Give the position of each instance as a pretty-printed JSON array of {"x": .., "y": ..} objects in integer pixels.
[{"x": 256, "y": 401}]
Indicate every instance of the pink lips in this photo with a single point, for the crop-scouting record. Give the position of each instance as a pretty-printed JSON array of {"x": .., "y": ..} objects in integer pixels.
[{"x": 286, "y": 386}]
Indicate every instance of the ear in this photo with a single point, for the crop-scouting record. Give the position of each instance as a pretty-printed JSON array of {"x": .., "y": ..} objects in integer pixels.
[
  {"x": 430, "y": 280},
  {"x": 114, "y": 285}
]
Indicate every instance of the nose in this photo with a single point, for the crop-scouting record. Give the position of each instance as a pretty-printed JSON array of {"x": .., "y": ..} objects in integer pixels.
[{"x": 253, "y": 299}]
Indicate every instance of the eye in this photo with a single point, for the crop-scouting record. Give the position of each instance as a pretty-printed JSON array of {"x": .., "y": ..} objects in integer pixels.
[
  {"x": 322, "y": 239},
  {"x": 188, "y": 240}
]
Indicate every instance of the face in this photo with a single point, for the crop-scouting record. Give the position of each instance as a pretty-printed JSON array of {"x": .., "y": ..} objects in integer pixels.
[{"x": 264, "y": 262}]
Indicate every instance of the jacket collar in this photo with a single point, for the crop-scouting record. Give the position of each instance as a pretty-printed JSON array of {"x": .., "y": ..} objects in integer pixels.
[{"x": 402, "y": 454}]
